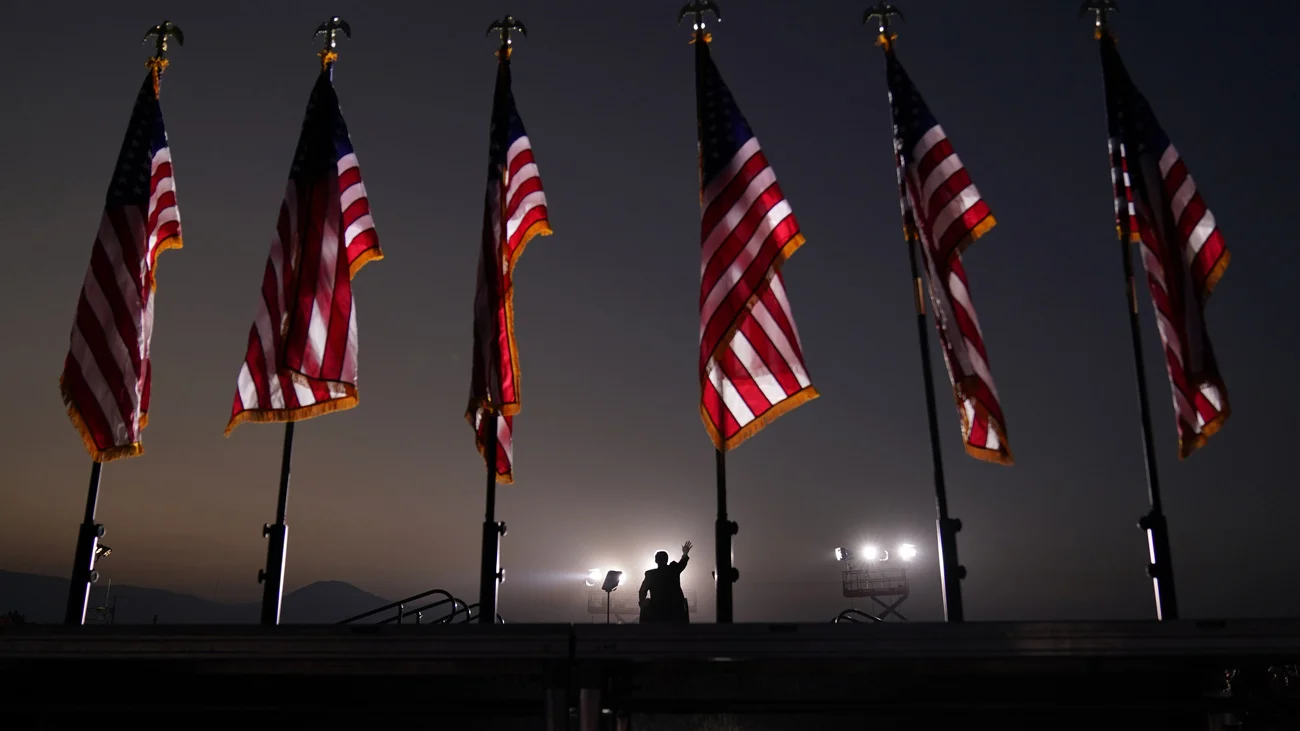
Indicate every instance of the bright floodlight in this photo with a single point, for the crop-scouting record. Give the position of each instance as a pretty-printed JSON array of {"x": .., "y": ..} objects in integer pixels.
[
  {"x": 843, "y": 554},
  {"x": 871, "y": 553},
  {"x": 612, "y": 581},
  {"x": 907, "y": 552},
  {"x": 593, "y": 577}
]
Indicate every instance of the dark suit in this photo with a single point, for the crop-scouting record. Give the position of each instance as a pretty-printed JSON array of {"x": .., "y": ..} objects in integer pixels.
[{"x": 667, "y": 603}]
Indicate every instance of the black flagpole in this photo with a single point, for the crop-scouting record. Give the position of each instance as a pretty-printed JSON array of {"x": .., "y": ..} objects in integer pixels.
[
  {"x": 1161, "y": 568},
  {"x": 724, "y": 575},
  {"x": 951, "y": 572},
  {"x": 490, "y": 574},
  {"x": 272, "y": 577},
  {"x": 83, "y": 565}
]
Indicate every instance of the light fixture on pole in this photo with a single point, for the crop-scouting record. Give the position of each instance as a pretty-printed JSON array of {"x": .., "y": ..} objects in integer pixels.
[
  {"x": 884, "y": 584},
  {"x": 612, "y": 581}
]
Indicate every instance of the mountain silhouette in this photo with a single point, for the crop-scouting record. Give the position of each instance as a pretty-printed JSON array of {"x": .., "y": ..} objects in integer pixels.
[
  {"x": 41, "y": 599},
  {"x": 327, "y": 602}
]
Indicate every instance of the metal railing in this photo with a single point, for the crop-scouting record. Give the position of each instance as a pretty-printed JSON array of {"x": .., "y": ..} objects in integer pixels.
[
  {"x": 471, "y": 616},
  {"x": 461, "y": 613},
  {"x": 851, "y": 615},
  {"x": 875, "y": 582},
  {"x": 457, "y": 606}
]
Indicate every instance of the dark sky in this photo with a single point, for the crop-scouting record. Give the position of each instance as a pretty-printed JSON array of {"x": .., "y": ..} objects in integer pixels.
[{"x": 612, "y": 460}]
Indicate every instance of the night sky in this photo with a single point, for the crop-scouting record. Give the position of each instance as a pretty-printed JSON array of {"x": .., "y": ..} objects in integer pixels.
[{"x": 612, "y": 461}]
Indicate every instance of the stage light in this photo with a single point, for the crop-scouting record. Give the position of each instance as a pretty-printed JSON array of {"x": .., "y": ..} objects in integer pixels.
[
  {"x": 843, "y": 554},
  {"x": 613, "y": 580},
  {"x": 907, "y": 552},
  {"x": 593, "y": 577},
  {"x": 871, "y": 553}
]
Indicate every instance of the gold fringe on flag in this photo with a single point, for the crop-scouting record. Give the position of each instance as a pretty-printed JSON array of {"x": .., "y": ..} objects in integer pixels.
[
  {"x": 135, "y": 449},
  {"x": 302, "y": 413},
  {"x": 785, "y": 405}
]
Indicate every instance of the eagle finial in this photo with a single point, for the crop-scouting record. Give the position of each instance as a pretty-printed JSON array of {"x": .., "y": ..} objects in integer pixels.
[
  {"x": 160, "y": 33},
  {"x": 331, "y": 29},
  {"x": 881, "y": 12},
  {"x": 1102, "y": 8},
  {"x": 505, "y": 27},
  {"x": 698, "y": 8}
]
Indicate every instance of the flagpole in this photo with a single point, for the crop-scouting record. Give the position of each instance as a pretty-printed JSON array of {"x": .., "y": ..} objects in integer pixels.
[
  {"x": 490, "y": 573},
  {"x": 490, "y": 568},
  {"x": 272, "y": 577},
  {"x": 724, "y": 575},
  {"x": 951, "y": 572},
  {"x": 83, "y": 564},
  {"x": 83, "y": 574},
  {"x": 1154, "y": 523}
]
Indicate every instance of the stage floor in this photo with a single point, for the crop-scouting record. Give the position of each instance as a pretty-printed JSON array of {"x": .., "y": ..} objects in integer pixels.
[{"x": 1058, "y": 673}]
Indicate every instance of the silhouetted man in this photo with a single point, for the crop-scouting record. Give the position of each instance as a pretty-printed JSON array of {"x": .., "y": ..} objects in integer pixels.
[{"x": 667, "y": 603}]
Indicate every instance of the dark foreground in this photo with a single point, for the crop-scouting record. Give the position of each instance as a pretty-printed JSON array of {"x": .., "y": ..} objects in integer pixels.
[{"x": 881, "y": 676}]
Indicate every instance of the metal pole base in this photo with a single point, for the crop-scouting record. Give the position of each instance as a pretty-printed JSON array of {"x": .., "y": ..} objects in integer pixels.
[
  {"x": 589, "y": 709},
  {"x": 725, "y": 575},
  {"x": 83, "y": 573},
  {"x": 272, "y": 577},
  {"x": 490, "y": 573},
  {"x": 951, "y": 572},
  {"x": 1161, "y": 568}
]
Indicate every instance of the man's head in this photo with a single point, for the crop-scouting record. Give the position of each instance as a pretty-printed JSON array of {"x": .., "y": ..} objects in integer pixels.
[{"x": 661, "y": 558}]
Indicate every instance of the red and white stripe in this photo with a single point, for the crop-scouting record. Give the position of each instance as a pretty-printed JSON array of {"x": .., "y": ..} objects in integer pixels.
[
  {"x": 1184, "y": 255},
  {"x": 947, "y": 212},
  {"x": 495, "y": 380},
  {"x": 106, "y": 376},
  {"x": 301, "y": 360},
  {"x": 505, "y": 443},
  {"x": 751, "y": 361},
  {"x": 1158, "y": 206}
]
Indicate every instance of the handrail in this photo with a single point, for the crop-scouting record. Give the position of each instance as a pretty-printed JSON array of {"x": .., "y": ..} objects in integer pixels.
[
  {"x": 418, "y": 610},
  {"x": 848, "y": 616},
  {"x": 470, "y": 618},
  {"x": 398, "y": 605},
  {"x": 451, "y": 618}
]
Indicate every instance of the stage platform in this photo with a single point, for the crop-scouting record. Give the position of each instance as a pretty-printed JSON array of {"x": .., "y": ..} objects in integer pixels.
[{"x": 1063, "y": 674}]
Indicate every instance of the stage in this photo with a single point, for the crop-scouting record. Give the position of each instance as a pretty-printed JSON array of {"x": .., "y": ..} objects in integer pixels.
[{"x": 1050, "y": 672}]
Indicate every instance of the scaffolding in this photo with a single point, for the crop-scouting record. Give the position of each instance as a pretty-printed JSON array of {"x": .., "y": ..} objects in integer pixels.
[{"x": 885, "y": 587}]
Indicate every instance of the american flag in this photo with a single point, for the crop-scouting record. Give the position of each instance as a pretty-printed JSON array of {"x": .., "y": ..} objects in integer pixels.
[
  {"x": 514, "y": 212},
  {"x": 942, "y": 207},
  {"x": 302, "y": 350},
  {"x": 751, "y": 361},
  {"x": 1182, "y": 249},
  {"x": 105, "y": 381}
]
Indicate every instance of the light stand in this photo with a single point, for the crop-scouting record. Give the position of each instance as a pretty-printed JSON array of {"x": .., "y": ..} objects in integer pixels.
[{"x": 612, "y": 580}]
